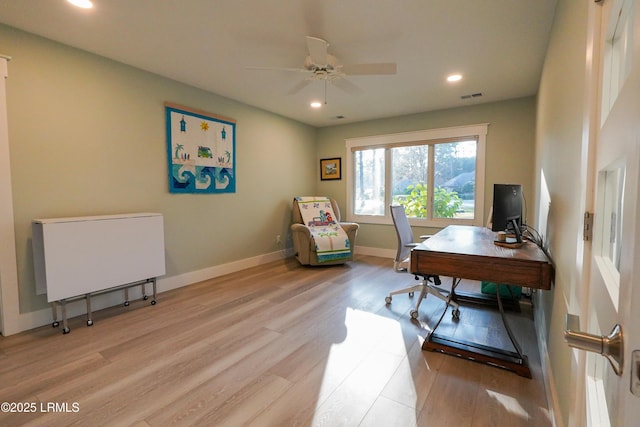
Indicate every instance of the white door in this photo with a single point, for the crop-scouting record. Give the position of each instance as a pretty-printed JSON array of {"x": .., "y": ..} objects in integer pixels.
[{"x": 614, "y": 276}]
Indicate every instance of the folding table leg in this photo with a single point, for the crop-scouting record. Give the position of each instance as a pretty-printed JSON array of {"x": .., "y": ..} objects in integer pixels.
[
  {"x": 89, "y": 314},
  {"x": 65, "y": 325}
]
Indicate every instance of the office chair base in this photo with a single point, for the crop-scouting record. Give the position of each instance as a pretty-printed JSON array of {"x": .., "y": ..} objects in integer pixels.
[{"x": 426, "y": 288}]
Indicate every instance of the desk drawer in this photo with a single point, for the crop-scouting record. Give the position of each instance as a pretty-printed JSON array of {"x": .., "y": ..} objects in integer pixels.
[{"x": 500, "y": 270}]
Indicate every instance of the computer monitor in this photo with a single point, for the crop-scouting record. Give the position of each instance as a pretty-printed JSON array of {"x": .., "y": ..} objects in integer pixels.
[{"x": 507, "y": 208}]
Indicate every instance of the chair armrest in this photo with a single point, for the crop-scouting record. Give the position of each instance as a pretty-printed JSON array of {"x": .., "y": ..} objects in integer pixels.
[
  {"x": 349, "y": 226},
  {"x": 300, "y": 228}
]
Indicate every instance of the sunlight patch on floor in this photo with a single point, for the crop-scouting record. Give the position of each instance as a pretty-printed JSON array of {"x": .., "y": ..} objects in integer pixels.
[
  {"x": 359, "y": 368},
  {"x": 510, "y": 404}
]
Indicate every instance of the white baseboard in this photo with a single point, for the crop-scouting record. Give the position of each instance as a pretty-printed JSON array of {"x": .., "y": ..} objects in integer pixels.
[
  {"x": 379, "y": 252},
  {"x": 39, "y": 318},
  {"x": 549, "y": 383},
  {"x": 174, "y": 282}
]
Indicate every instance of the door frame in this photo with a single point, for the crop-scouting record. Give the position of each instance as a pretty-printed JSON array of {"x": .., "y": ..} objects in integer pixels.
[
  {"x": 628, "y": 299},
  {"x": 9, "y": 299}
]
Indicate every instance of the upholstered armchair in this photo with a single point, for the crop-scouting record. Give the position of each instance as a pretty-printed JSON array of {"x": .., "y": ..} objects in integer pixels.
[{"x": 303, "y": 243}]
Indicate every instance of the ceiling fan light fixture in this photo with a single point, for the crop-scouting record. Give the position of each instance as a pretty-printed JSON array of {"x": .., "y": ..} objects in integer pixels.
[
  {"x": 84, "y": 4},
  {"x": 454, "y": 78}
]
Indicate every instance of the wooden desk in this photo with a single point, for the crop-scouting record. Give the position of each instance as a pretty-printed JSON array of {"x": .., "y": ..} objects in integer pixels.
[{"x": 467, "y": 252}]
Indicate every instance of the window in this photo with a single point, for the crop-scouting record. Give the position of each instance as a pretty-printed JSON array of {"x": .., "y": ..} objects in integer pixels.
[
  {"x": 617, "y": 53},
  {"x": 438, "y": 175}
]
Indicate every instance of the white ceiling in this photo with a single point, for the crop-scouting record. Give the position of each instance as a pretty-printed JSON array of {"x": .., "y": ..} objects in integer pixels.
[{"x": 498, "y": 46}]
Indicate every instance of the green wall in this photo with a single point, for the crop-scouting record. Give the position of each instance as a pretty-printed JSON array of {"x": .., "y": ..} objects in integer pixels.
[
  {"x": 509, "y": 151},
  {"x": 87, "y": 137},
  {"x": 559, "y": 170}
]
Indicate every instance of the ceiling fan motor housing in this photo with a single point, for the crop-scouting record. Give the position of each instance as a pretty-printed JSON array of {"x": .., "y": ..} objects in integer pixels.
[{"x": 331, "y": 67}]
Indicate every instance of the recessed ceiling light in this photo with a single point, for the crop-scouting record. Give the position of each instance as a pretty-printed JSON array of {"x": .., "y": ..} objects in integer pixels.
[
  {"x": 84, "y": 4},
  {"x": 316, "y": 104},
  {"x": 454, "y": 78}
]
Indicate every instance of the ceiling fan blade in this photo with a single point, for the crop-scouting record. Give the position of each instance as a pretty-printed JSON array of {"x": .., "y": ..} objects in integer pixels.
[
  {"x": 317, "y": 50},
  {"x": 370, "y": 69},
  {"x": 297, "y": 88},
  {"x": 347, "y": 86},
  {"x": 300, "y": 70}
]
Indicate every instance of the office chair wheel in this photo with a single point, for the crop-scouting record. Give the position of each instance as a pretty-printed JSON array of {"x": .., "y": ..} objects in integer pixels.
[
  {"x": 413, "y": 314},
  {"x": 387, "y": 300},
  {"x": 455, "y": 313}
]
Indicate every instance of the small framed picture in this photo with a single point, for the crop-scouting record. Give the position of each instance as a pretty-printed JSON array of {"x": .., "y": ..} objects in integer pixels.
[{"x": 330, "y": 168}]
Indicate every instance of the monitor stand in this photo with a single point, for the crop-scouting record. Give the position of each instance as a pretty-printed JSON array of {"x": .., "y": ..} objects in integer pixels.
[{"x": 514, "y": 224}]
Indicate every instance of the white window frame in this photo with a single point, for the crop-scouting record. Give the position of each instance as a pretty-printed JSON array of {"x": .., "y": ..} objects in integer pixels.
[
  {"x": 617, "y": 55},
  {"x": 477, "y": 132}
]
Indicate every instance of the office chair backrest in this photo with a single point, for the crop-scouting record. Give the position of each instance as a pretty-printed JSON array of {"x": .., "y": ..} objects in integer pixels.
[{"x": 403, "y": 231}]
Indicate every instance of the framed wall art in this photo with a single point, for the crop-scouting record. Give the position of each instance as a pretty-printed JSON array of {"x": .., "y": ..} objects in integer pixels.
[
  {"x": 331, "y": 168},
  {"x": 200, "y": 151}
]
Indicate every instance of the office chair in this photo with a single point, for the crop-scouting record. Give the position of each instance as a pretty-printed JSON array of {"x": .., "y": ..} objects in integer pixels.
[{"x": 400, "y": 264}]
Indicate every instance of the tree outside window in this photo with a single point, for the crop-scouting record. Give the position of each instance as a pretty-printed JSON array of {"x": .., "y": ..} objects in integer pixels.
[{"x": 434, "y": 179}]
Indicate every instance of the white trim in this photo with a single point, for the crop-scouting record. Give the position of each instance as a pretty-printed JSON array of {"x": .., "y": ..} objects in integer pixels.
[
  {"x": 555, "y": 415},
  {"x": 420, "y": 135},
  {"x": 476, "y": 130},
  {"x": 379, "y": 252},
  {"x": 9, "y": 299},
  {"x": 550, "y": 390},
  {"x": 26, "y": 321}
]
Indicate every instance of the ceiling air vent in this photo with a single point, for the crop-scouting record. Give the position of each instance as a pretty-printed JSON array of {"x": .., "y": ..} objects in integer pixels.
[{"x": 473, "y": 95}]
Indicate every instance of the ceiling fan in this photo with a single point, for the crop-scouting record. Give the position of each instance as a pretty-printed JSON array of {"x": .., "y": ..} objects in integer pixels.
[{"x": 321, "y": 65}]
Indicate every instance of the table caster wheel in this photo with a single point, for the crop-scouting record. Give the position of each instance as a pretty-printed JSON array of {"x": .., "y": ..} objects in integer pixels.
[
  {"x": 387, "y": 300},
  {"x": 55, "y": 324},
  {"x": 153, "y": 302},
  {"x": 89, "y": 322},
  {"x": 145, "y": 297},
  {"x": 413, "y": 314},
  {"x": 66, "y": 330},
  {"x": 455, "y": 314},
  {"x": 410, "y": 294},
  {"x": 126, "y": 303}
]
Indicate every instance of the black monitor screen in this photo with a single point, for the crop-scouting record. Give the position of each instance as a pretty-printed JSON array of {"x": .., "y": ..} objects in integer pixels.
[{"x": 507, "y": 206}]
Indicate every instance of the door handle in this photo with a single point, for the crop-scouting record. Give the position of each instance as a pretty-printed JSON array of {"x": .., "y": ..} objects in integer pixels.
[{"x": 610, "y": 346}]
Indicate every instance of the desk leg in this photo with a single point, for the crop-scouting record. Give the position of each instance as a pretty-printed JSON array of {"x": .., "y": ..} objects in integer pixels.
[
  {"x": 512, "y": 337},
  {"x": 515, "y": 362}
]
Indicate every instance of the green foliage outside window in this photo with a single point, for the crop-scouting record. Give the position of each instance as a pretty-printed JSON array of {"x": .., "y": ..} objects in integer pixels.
[{"x": 446, "y": 203}]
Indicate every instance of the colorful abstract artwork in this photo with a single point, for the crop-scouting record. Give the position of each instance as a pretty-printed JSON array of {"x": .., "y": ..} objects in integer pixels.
[{"x": 200, "y": 150}]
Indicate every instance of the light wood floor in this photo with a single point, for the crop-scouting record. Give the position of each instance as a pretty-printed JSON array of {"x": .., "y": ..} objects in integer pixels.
[{"x": 276, "y": 345}]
